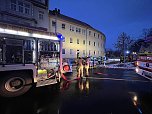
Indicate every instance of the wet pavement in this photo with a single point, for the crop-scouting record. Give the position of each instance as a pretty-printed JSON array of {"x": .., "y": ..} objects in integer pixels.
[{"x": 105, "y": 91}]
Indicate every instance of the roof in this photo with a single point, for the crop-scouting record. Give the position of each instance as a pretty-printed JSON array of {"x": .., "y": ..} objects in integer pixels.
[{"x": 70, "y": 19}]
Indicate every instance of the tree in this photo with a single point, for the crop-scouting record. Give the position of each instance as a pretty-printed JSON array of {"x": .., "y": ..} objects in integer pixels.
[
  {"x": 146, "y": 33},
  {"x": 123, "y": 43},
  {"x": 112, "y": 53},
  {"x": 135, "y": 47}
]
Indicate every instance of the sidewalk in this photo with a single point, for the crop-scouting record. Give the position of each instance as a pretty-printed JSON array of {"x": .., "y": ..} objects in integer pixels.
[{"x": 128, "y": 65}]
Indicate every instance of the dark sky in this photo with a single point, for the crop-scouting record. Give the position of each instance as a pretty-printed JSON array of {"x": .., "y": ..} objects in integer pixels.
[{"x": 111, "y": 17}]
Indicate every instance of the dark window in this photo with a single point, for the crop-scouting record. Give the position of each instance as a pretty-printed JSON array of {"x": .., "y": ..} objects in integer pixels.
[
  {"x": 84, "y": 42},
  {"x": 20, "y": 6},
  {"x": 77, "y": 41},
  {"x": 13, "y": 5},
  {"x": 94, "y": 52},
  {"x": 89, "y": 42},
  {"x": 89, "y": 52},
  {"x": 63, "y": 26},
  {"x": 89, "y": 33},
  {"x": 53, "y": 23},
  {"x": 41, "y": 15},
  {"x": 63, "y": 51},
  {"x": 94, "y": 44},
  {"x": 77, "y": 29},
  {"x": 71, "y": 40},
  {"x": 71, "y": 51},
  {"x": 27, "y": 8},
  {"x": 94, "y": 34},
  {"x": 71, "y": 28}
]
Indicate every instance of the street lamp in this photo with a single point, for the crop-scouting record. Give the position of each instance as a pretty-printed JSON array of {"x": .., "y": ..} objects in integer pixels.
[{"x": 127, "y": 52}]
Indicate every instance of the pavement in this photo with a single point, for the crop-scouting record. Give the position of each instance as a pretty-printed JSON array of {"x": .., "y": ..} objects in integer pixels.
[{"x": 128, "y": 65}]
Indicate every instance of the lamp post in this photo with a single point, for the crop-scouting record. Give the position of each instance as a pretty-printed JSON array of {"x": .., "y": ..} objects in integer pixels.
[{"x": 124, "y": 53}]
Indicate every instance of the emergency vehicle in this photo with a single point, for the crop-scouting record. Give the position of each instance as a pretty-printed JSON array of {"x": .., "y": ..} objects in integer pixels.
[
  {"x": 144, "y": 65},
  {"x": 28, "y": 56}
]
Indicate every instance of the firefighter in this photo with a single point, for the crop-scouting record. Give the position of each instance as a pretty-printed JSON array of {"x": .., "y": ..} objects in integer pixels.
[
  {"x": 80, "y": 67},
  {"x": 87, "y": 61}
]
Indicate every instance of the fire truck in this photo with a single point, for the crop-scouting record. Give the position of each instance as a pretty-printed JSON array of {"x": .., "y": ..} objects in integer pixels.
[
  {"x": 28, "y": 56},
  {"x": 144, "y": 65}
]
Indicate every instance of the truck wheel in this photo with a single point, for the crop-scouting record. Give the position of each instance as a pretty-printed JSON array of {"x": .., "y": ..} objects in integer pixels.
[{"x": 15, "y": 84}]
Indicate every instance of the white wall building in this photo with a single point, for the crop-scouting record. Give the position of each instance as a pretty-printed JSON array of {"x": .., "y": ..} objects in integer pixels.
[
  {"x": 33, "y": 14},
  {"x": 79, "y": 36}
]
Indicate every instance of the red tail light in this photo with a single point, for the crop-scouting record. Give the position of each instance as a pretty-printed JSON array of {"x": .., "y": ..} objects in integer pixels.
[{"x": 66, "y": 68}]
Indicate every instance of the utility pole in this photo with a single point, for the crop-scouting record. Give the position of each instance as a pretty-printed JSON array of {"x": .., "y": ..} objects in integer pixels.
[{"x": 124, "y": 49}]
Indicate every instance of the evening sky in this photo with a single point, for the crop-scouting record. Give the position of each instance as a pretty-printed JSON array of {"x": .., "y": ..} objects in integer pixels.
[{"x": 111, "y": 17}]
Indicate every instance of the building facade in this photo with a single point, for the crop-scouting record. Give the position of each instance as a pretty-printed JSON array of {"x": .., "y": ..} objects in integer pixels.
[
  {"x": 29, "y": 13},
  {"x": 80, "y": 38},
  {"x": 21, "y": 21}
]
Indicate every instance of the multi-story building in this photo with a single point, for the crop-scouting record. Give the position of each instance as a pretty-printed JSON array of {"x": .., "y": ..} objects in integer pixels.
[
  {"x": 33, "y": 14},
  {"x": 29, "y": 13},
  {"x": 79, "y": 37}
]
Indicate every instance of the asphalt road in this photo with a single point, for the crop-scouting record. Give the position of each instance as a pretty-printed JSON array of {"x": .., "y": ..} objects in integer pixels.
[{"x": 105, "y": 91}]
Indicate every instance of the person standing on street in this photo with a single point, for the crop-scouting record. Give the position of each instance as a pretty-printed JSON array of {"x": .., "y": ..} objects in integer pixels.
[
  {"x": 80, "y": 67},
  {"x": 87, "y": 66}
]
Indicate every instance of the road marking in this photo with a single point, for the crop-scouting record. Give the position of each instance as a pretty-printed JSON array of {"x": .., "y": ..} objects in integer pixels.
[{"x": 115, "y": 79}]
